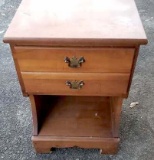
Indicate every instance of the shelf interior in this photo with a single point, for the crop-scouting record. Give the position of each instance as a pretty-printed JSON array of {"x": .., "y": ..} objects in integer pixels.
[{"x": 75, "y": 116}]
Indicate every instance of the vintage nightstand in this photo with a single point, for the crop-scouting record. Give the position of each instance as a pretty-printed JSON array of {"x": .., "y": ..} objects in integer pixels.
[{"x": 75, "y": 60}]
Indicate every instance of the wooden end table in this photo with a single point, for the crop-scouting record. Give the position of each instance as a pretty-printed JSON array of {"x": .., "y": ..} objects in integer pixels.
[{"x": 75, "y": 60}]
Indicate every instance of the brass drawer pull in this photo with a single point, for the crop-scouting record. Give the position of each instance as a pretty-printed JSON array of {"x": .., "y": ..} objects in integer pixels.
[
  {"x": 75, "y": 84},
  {"x": 74, "y": 62}
]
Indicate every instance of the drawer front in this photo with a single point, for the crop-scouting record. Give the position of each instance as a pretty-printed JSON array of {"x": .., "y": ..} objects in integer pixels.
[
  {"x": 93, "y": 60},
  {"x": 107, "y": 84}
]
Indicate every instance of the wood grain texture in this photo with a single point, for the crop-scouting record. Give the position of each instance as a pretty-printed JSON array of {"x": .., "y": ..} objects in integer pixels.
[
  {"x": 133, "y": 67},
  {"x": 74, "y": 116},
  {"x": 17, "y": 67},
  {"x": 43, "y": 59},
  {"x": 70, "y": 121},
  {"x": 34, "y": 110},
  {"x": 116, "y": 108},
  {"x": 39, "y": 107},
  {"x": 43, "y": 144},
  {"x": 74, "y": 22},
  {"x": 108, "y": 35},
  {"x": 94, "y": 83}
]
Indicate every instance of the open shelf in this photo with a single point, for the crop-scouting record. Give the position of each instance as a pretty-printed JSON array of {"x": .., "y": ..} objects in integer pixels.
[
  {"x": 68, "y": 121},
  {"x": 76, "y": 117}
]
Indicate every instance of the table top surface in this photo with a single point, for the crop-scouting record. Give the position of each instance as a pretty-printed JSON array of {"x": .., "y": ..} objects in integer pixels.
[{"x": 113, "y": 21}]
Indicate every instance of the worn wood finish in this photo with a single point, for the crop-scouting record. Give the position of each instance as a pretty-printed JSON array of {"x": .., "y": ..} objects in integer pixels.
[
  {"x": 17, "y": 67},
  {"x": 77, "y": 22},
  {"x": 108, "y": 35},
  {"x": 133, "y": 66},
  {"x": 34, "y": 110},
  {"x": 62, "y": 123},
  {"x": 116, "y": 108},
  {"x": 39, "y": 107},
  {"x": 94, "y": 84},
  {"x": 106, "y": 60},
  {"x": 68, "y": 116},
  {"x": 44, "y": 144}
]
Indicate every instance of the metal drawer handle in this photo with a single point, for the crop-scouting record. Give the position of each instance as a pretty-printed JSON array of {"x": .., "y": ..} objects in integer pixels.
[
  {"x": 75, "y": 84},
  {"x": 74, "y": 62}
]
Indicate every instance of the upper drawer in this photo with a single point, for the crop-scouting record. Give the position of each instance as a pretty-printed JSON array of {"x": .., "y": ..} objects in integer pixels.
[{"x": 46, "y": 59}]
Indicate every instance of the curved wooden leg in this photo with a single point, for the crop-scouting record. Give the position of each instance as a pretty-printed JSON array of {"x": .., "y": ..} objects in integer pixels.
[{"x": 44, "y": 149}]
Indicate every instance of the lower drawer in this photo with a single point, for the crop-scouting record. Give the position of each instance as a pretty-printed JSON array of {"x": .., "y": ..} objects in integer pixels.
[{"x": 107, "y": 84}]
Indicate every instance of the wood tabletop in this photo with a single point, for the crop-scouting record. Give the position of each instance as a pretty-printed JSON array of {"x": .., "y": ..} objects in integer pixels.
[{"x": 74, "y": 21}]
